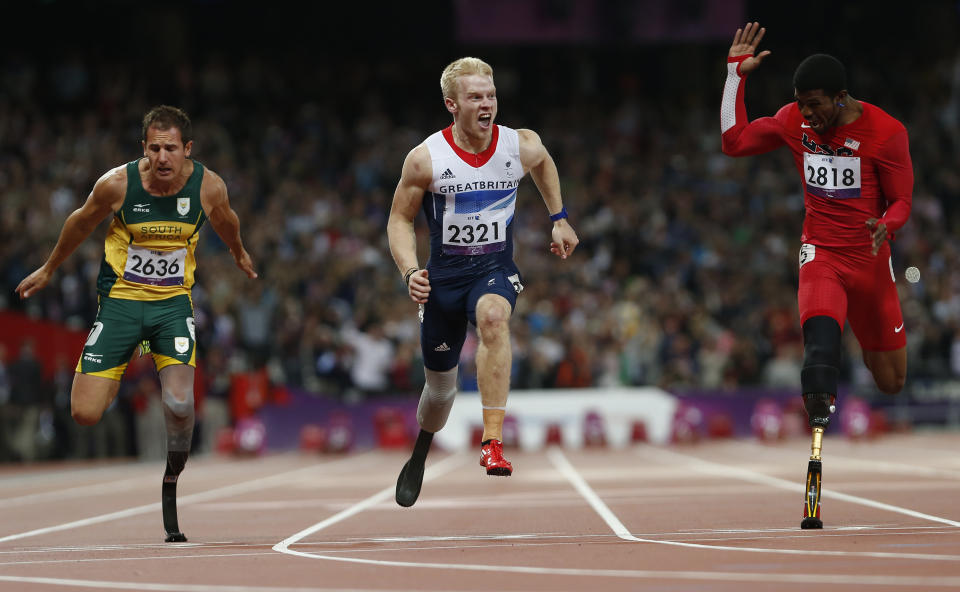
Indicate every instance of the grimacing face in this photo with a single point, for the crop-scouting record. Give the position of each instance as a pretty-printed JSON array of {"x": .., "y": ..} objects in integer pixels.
[
  {"x": 166, "y": 151},
  {"x": 819, "y": 109},
  {"x": 475, "y": 107}
]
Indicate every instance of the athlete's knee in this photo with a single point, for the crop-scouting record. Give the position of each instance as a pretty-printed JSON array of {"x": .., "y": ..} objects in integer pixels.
[
  {"x": 85, "y": 415},
  {"x": 178, "y": 403},
  {"x": 436, "y": 400},
  {"x": 889, "y": 369},
  {"x": 890, "y": 383},
  {"x": 493, "y": 316}
]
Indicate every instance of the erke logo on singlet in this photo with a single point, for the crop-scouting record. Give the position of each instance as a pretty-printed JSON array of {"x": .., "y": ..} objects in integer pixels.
[{"x": 143, "y": 208}]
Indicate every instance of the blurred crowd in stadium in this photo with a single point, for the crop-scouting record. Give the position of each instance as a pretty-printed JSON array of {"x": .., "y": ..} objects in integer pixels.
[{"x": 685, "y": 277}]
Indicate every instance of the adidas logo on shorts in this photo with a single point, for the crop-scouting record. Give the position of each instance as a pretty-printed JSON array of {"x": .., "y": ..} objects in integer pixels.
[{"x": 442, "y": 347}]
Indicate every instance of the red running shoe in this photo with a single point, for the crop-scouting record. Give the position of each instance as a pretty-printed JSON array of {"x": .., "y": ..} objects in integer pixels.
[{"x": 491, "y": 457}]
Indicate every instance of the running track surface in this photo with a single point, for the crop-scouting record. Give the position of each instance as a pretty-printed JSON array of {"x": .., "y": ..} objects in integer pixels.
[{"x": 718, "y": 516}]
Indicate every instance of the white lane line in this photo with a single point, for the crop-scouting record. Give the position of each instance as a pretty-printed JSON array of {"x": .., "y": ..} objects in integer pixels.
[
  {"x": 144, "y": 558},
  {"x": 69, "y": 473},
  {"x": 899, "y": 468},
  {"x": 229, "y": 490},
  {"x": 886, "y": 466},
  {"x": 568, "y": 471},
  {"x": 433, "y": 471},
  {"x": 125, "y": 484},
  {"x": 72, "y": 493},
  {"x": 712, "y": 468},
  {"x": 901, "y": 582},
  {"x": 153, "y": 587}
]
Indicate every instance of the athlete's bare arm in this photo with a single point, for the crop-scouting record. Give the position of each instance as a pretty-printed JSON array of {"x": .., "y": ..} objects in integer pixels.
[
  {"x": 415, "y": 178},
  {"x": 105, "y": 198},
  {"x": 216, "y": 205},
  {"x": 536, "y": 160}
]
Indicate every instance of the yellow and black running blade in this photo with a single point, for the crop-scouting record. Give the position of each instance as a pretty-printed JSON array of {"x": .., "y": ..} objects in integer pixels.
[{"x": 811, "y": 501}]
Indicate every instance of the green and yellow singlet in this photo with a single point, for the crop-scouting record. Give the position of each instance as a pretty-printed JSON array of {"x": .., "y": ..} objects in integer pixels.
[{"x": 149, "y": 250}]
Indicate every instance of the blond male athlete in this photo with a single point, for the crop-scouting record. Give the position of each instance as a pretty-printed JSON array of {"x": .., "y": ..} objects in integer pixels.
[
  {"x": 158, "y": 204},
  {"x": 465, "y": 180}
]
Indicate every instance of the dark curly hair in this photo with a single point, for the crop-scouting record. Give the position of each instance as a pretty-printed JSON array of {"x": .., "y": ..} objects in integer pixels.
[{"x": 820, "y": 71}]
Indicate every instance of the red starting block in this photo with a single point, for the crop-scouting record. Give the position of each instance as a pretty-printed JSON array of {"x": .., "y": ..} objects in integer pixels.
[
  {"x": 638, "y": 432},
  {"x": 594, "y": 430},
  {"x": 554, "y": 436},
  {"x": 313, "y": 438}
]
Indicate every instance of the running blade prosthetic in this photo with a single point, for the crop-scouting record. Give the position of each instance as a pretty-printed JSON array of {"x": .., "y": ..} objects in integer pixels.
[{"x": 811, "y": 502}]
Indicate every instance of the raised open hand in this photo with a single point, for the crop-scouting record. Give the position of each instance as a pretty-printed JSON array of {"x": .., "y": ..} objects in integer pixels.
[{"x": 745, "y": 42}]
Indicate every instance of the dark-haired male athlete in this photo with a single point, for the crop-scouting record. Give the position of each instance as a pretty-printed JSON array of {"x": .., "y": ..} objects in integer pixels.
[
  {"x": 854, "y": 160},
  {"x": 158, "y": 204}
]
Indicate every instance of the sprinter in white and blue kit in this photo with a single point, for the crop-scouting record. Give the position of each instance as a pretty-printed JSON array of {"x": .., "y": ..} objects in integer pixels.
[{"x": 465, "y": 180}]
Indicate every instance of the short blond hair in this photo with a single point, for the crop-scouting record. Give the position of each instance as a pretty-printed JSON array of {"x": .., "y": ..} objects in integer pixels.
[{"x": 462, "y": 67}]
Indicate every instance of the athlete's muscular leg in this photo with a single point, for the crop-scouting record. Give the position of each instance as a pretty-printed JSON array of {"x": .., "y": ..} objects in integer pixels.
[
  {"x": 90, "y": 397},
  {"x": 493, "y": 361},
  {"x": 889, "y": 368}
]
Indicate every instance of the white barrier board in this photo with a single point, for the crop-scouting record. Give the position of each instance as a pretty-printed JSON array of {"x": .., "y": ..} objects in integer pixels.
[{"x": 535, "y": 410}]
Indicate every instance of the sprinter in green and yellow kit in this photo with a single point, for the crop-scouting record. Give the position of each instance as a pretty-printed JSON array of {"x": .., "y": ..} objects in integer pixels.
[{"x": 158, "y": 204}]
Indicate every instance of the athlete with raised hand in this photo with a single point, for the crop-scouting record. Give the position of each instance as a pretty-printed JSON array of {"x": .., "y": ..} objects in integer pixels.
[
  {"x": 465, "y": 180},
  {"x": 854, "y": 163}
]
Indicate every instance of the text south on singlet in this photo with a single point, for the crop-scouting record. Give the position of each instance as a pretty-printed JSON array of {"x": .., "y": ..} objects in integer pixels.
[{"x": 164, "y": 232}]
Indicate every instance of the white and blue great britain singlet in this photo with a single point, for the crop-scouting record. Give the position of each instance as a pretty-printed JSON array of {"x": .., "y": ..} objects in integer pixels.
[{"x": 470, "y": 205}]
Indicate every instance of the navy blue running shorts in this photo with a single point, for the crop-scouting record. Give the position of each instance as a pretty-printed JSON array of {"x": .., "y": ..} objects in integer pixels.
[{"x": 443, "y": 326}]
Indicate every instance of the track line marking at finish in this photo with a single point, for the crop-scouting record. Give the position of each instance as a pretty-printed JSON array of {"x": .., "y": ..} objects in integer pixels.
[
  {"x": 432, "y": 472},
  {"x": 568, "y": 471},
  {"x": 880, "y": 465},
  {"x": 126, "y": 483},
  {"x": 73, "y": 493},
  {"x": 903, "y": 582},
  {"x": 228, "y": 490},
  {"x": 712, "y": 468},
  {"x": 148, "y": 587},
  {"x": 73, "y": 560}
]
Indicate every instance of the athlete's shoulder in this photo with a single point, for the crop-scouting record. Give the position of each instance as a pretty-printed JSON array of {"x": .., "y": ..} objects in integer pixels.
[
  {"x": 211, "y": 180},
  {"x": 788, "y": 115},
  {"x": 524, "y": 134},
  {"x": 113, "y": 183},
  {"x": 213, "y": 189},
  {"x": 418, "y": 165},
  {"x": 210, "y": 177},
  {"x": 886, "y": 124}
]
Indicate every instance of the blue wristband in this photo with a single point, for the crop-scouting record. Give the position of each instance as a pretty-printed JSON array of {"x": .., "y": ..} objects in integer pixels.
[{"x": 559, "y": 215}]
